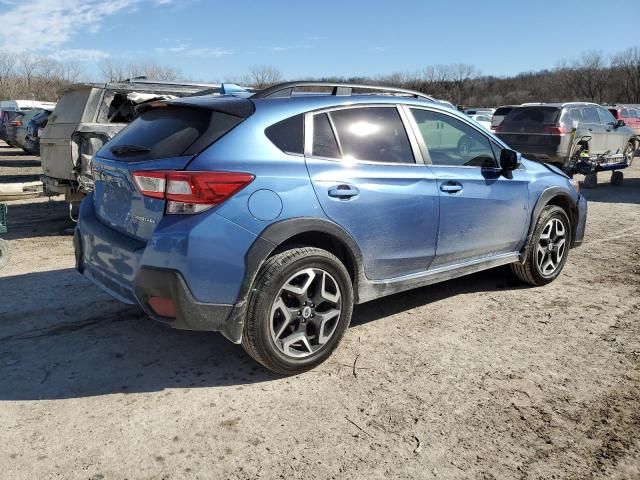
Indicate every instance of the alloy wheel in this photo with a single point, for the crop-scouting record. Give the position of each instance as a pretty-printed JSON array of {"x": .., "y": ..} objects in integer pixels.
[
  {"x": 305, "y": 313},
  {"x": 551, "y": 247},
  {"x": 629, "y": 152}
]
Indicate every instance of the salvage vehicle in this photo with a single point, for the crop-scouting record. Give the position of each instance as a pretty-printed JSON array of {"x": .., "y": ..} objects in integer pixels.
[
  {"x": 13, "y": 120},
  {"x": 17, "y": 131},
  {"x": 8, "y": 107},
  {"x": 267, "y": 218},
  {"x": 86, "y": 117},
  {"x": 35, "y": 127},
  {"x": 549, "y": 133}
]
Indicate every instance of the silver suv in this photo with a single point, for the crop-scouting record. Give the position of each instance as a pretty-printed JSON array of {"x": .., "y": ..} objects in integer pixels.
[
  {"x": 86, "y": 117},
  {"x": 547, "y": 132}
]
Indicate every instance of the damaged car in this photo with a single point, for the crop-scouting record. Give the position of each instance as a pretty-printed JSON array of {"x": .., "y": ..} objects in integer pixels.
[{"x": 87, "y": 116}]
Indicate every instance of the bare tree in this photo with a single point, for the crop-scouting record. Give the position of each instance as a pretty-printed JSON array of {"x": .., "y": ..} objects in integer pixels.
[
  {"x": 627, "y": 66},
  {"x": 262, "y": 76},
  {"x": 115, "y": 70},
  {"x": 592, "y": 76},
  {"x": 27, "y": 65}
]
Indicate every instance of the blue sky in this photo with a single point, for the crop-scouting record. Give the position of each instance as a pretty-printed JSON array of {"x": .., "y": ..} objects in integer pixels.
[{"x": 210, "y": 40}]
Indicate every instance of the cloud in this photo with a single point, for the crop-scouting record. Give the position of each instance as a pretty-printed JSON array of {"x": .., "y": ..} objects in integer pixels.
[
  {"x": 79, "y": 55},
  {"x": 202, "y": 52},
  {"x": 56, "y": 20}
]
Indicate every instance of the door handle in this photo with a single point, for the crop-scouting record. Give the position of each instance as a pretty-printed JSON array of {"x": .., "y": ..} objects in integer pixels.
[
  {"x": 343, "y": 191},
  {"x": 451, "y": 187}
]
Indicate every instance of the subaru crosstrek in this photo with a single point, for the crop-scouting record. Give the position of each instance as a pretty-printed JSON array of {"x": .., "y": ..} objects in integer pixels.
[{"x": 267, "y": 218}]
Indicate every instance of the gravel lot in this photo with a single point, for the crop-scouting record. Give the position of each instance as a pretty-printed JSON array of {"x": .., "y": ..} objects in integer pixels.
[{"x": 474, "y": 378}]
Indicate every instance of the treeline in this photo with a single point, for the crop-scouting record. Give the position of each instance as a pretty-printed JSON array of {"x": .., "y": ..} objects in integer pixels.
[{"x": 590, "y": 77}]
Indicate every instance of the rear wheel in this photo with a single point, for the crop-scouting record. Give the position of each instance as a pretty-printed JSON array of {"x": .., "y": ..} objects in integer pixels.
[
  {"x": 548, "y": 248},
  {"x": 299, "y": 308}
]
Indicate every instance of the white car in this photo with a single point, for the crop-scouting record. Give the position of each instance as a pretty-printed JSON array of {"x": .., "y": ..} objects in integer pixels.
[{"x": 484, "y": 120}]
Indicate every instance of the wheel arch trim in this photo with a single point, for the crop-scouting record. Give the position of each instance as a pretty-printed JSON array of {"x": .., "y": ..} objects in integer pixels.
[{"x": 546, "y": 198}]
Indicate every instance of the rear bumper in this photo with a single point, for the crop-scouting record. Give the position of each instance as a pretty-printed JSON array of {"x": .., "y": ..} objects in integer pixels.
[{"x": 128, "y": 270}]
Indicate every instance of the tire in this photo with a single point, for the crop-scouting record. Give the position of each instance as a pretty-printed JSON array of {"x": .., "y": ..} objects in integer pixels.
[
  {"x": 4, "y": 253},
  {"x": 617, "y": 178},
  {"x": 590, "y": 180},
  {"x": 277, "y": 314},
  {"x": 536, "y": 270},
  {"x": 629, "y": 152}
]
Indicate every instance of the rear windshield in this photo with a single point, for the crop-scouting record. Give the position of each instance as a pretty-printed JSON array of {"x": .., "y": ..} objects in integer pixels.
[
  {"x": 70, "y": 107},
  {"x": 169, "y": 132},
  {"x": 532, "y": 115},
  {"x": 502, "y": 111}
]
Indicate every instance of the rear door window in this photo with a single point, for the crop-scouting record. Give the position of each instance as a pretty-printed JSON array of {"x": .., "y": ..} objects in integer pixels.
[
  {"x": 590, "y": 115},
  {"x": 373, "y": 134},
  {"x": 324, "y": 141},
  {"x": 169, "y": 132}
]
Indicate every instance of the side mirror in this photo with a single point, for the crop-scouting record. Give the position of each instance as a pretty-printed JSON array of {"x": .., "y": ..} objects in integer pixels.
[
  {"x": 509, "y": 159},
  {"x": 620, "y": 123}
]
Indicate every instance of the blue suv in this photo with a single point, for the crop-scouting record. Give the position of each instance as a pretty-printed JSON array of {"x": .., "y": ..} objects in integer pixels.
[{"x": 267, "y": 218}]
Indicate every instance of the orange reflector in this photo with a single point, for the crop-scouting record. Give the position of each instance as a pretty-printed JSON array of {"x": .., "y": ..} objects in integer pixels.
[{"x": 163, "y": 307}]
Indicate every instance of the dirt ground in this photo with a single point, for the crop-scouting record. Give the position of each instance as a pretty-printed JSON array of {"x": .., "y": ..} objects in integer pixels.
[{"x": 477, "y": 378}]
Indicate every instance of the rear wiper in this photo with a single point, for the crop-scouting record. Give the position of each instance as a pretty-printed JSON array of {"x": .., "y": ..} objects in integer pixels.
[{"x": 125, "y": 149}]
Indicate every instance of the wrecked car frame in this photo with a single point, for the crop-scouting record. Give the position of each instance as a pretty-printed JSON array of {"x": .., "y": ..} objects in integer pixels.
[{"x": 86, "y": 117}]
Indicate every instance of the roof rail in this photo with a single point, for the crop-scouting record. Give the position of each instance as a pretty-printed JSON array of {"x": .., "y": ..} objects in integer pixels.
[{"x": 285, "y": 90}]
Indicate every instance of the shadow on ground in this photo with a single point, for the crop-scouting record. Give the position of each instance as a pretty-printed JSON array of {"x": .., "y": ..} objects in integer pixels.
[
  {"x": 77, "y": 342},
  {"x": 36, "y": 219},
  {"x": 19, "y": 163},
  {"x": 604, "y": 192}
]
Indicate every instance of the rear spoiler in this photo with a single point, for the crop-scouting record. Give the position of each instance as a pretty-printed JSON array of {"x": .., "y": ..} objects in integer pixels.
[{"x": 226, "y": 89}]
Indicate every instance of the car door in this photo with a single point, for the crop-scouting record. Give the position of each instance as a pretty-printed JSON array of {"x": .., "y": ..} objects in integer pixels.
[
  {"x": 367, "y": 179},
  {"x": 483, "y": 212},
  {"x": 616, "y": 137},
  {"x": 591, "y": 125}
]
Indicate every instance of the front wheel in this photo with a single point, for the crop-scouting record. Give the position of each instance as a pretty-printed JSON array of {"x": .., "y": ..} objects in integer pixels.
[
  {"x": 299, "y": 308},
  {"x": 629, "y": 152},
  {"x": 548, "y": 248}
]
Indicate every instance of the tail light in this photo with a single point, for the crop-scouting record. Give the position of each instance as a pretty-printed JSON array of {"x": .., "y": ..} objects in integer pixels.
[
  {"x": 190, "y": 192},
  {"x": 498, "y": 129},
  {"x": 554, "y": 130},
  {"x": 16, "y": 123}
]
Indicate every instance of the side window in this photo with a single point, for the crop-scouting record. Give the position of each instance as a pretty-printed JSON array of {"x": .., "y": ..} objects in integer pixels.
[
  {"x": 624, "y": 113},
  {"x": 590, "y": 115},
  {"x": 453, "y": 142},
  {"x": 605, "y": 116},
  {"x": 372, "y": 133},
  {"x": 288, "y": 134},
  {"x": 324, "y": 141}
]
